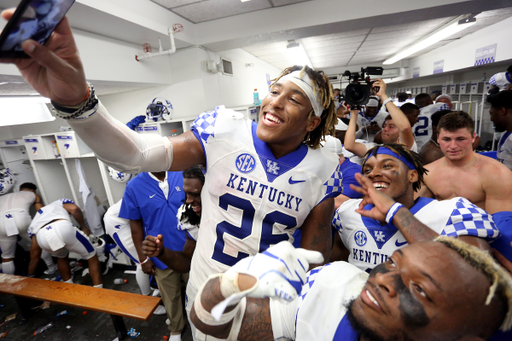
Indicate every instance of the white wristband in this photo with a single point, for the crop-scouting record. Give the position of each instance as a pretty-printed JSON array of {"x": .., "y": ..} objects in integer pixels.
[
  {"x": 145, "y": 261},
  {"x": 386, "y": 102},
  {"x": 392, "y": 211}
]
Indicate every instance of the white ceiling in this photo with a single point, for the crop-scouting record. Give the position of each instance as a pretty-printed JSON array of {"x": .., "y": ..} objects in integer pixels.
[{"x": 336, "y": 35}]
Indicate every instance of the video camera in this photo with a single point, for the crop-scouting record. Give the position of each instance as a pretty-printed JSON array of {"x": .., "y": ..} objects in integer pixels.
[{"x": 359, "y": 89}]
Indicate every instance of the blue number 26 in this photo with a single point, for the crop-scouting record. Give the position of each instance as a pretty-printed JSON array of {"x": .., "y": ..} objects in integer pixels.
[{"x": 266, "y": 239}]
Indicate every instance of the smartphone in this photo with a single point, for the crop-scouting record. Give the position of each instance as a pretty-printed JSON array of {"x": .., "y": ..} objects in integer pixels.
[{"x": 33, "y": 19}]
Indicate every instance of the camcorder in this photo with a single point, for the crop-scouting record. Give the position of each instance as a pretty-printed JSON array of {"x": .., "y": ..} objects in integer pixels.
[{"x": 359, "y": 89}]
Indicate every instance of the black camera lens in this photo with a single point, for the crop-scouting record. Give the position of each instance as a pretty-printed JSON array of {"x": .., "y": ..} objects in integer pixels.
[{"x": 357, "y": 94}]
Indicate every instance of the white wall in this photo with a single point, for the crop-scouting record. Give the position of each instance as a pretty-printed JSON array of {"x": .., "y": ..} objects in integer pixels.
[
  {"x": 460, "y": 54},
  {"x": 193, "y": 89}
]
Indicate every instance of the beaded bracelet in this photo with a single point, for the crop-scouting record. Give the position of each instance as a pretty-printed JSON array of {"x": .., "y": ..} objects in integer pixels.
[{"x": 67, "y": 112}]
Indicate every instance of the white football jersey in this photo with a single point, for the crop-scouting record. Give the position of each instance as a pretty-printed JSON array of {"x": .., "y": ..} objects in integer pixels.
[
  {"x": 504, "y": 154},
  {"x": 319, "y": 313},
  {"x": 423, "y": 128},
  {"x": 501, "y": 80},
  {"x": 50, "y": 212},
  {"x": 364, "y": 121},
  {"x": 371, "y": 243},
  {"x": 250, "y": 200}
]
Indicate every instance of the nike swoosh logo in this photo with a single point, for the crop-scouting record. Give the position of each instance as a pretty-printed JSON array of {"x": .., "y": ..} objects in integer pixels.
[
  {"x": 292, "y": 182},
  {"x": 151, "y": 196},
  {"x": 399, "y": 244}
]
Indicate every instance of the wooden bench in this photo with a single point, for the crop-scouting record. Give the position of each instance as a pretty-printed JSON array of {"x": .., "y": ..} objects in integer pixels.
[{"x": 118, "y": 304}]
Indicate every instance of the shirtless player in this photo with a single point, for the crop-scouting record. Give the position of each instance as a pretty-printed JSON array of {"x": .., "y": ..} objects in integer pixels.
[{"x": 462, "y": 173}]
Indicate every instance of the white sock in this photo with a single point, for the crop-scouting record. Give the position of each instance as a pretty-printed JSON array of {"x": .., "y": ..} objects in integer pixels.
[
  {"x": 47, "y": 257},
  {"x": 142, "y": 281},
  {"x": 8, "y": 267},
  {"x": 98, "y": 286},
  {"x": 69, "y": 281},
  {"x": 175, "y": 337}
]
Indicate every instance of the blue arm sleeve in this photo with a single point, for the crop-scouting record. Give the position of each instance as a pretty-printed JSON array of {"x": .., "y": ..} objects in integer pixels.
[{"x": 503, "y": 221}]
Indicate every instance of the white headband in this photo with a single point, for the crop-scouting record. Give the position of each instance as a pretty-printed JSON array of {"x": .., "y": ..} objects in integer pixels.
[{"x": 305, "y": 84}]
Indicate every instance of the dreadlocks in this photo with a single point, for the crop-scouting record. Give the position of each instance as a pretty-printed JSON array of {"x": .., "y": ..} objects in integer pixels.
[
  {"x": 409, "y": 155},
  {"x": 323, "y": 89},
  {"x": 501, "y": 281},
  {"x": 187, "y": 214}
]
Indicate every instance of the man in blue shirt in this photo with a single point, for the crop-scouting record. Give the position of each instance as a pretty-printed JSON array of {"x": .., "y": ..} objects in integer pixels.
[{"x": 151, "y": 202}]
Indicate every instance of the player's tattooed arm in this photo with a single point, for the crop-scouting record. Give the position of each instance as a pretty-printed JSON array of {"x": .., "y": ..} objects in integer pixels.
[
  {"x": 412, "y": 229},
  {"x": 256, "y": 324},
  {"x": 316, "y": 230}
]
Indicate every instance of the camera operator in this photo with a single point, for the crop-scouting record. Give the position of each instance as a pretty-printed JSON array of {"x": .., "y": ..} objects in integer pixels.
[
  {"x": 370, "y": 120},
  {"x": 396, "y": 127}
]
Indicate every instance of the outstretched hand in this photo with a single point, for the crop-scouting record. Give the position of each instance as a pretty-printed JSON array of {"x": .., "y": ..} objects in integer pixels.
[
  {"x": 382, "y": 202},
  {"x": 152, "y": 246},
  {"x": 279, "y": 272},
  {"x": 382, "y": 88},
  {"x": 54, "y": 70}
]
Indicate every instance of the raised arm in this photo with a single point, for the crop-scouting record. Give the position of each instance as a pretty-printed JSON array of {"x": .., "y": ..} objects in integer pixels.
[
  {"x": 386, "y": 209},
  {"x": 56, "y": 72},
  {"x": 401, "y": 121},
  {"x": 350, "y": 136}
]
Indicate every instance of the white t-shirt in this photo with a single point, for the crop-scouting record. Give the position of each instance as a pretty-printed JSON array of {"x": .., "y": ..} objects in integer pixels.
[{"x": 21, "y": 200}]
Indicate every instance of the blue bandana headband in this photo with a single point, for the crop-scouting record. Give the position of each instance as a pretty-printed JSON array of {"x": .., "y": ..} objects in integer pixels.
[{"x": 387, "y": 151}]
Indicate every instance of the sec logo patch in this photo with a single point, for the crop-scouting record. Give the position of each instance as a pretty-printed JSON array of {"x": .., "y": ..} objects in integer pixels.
[{"x": 245, "y": 163}]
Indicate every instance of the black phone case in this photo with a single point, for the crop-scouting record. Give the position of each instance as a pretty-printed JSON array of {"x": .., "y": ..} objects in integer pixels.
[{"x": 14, "y": 23}]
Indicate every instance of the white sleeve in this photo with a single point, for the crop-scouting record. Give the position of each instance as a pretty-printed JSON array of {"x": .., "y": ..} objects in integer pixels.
[
  {"x": 119, "y": 146},
  {"x": 282, "y": 315}
]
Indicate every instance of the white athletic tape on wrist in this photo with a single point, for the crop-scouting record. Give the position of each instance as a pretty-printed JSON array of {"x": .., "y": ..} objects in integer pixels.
[
  {"x": 392, "y": 211},
  {"x": 230, "y": 290},
  {"x": 205, "y": 316},
  {"x": 120, "y": 147}
]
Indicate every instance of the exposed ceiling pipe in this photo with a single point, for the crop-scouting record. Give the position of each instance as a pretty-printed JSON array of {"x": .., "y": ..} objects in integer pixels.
[{"x": 161, "y": 52}]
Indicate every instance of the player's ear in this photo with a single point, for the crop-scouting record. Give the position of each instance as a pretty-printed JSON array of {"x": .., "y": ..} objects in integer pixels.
[
  {"x": 313, "y": 122},
  {"x": 413, "y": 176}
]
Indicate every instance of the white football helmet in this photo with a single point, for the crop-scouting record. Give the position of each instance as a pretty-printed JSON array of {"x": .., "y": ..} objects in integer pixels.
[
  {"x": 119, "y": 176},
  {"x": 7, "y": 181},
  {"x": 159, "y": 108}
]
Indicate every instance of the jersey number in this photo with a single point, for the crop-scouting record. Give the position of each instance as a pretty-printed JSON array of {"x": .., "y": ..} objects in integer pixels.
[
  {"x": 266, "y": 239},
  {"x": 422, "y": 127}
]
